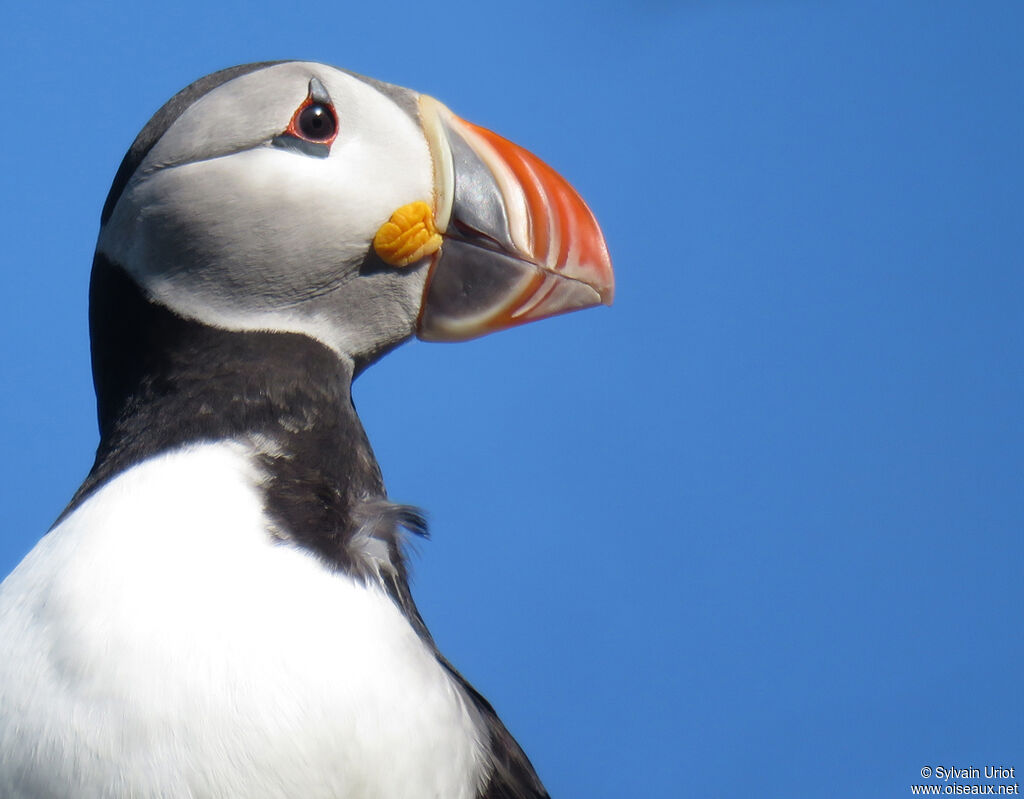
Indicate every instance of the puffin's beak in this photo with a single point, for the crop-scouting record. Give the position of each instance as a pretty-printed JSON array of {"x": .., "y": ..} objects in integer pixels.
[{"x": 518, "y": 242}]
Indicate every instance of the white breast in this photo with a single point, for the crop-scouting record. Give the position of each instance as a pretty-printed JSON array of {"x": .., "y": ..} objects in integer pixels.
[{"x": 158, "y": 643}]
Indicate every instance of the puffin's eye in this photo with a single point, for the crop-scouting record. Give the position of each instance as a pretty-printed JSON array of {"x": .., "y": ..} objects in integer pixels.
[{"x": 316, "y": 123}]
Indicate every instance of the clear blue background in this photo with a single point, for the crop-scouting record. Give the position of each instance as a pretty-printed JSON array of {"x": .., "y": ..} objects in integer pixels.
[{"x": 756, "y": 530}]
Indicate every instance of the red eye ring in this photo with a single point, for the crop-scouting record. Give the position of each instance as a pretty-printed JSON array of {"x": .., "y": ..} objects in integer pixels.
[{"x": 315, "y": 122}]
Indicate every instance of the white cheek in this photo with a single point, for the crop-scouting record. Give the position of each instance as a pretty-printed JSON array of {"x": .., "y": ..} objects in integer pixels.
[
  {"x": 268, "y": 223},
  {"x": 254, "y": 230},
  {"x": 270, "y": 238},
  {"x": 388, "y": 166}
]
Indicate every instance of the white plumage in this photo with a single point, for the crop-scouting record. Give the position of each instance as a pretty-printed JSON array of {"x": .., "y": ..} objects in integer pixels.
[{"x": 141, "y": 615}]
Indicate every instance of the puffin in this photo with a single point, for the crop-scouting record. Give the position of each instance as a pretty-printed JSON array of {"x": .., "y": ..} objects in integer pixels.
[{"x": 223, "y": 609}]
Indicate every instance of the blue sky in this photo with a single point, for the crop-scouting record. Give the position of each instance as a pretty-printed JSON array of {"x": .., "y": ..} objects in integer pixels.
[{"x": 754, "y": 531}]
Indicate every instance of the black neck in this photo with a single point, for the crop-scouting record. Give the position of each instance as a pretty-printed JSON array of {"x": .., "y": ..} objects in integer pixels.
[{"x": 163, "y": 381}]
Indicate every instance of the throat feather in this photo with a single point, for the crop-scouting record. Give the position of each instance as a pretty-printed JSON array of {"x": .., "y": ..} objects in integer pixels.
[{"x": 163, "y": 382}]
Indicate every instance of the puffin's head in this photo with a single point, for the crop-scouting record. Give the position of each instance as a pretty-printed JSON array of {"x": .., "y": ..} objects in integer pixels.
[{"x": 298, "y": 197}]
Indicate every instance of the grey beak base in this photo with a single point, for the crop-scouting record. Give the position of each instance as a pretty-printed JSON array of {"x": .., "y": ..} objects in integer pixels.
[
  {"x": 474, "y": 291},
  {"x": 477, "y": 204}
]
